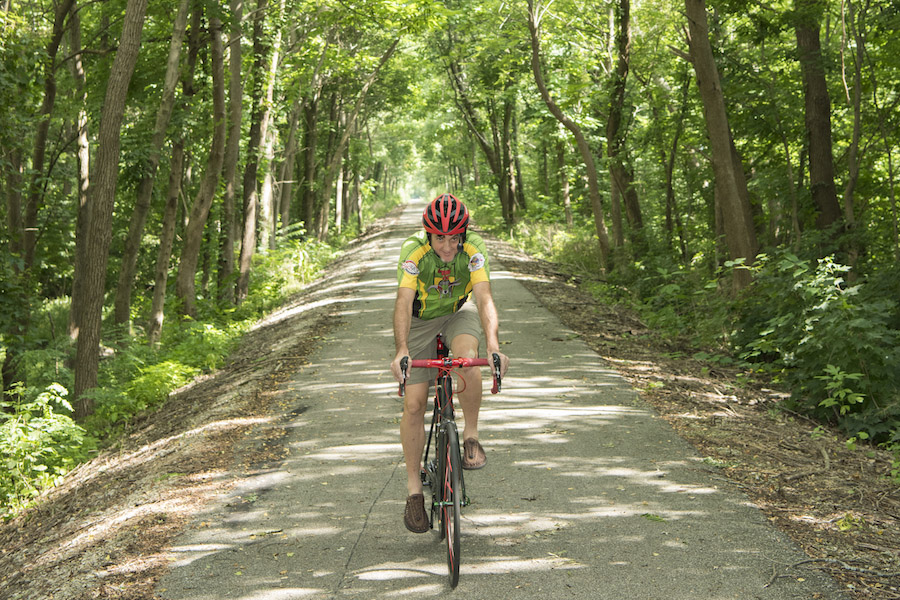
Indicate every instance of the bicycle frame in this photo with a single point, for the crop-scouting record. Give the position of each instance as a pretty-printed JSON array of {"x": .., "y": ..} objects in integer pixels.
[{"x": 443, "y": 474}]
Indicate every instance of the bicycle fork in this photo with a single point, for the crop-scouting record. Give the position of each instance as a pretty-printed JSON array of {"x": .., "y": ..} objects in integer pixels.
[{"x": 431, "y": 476}]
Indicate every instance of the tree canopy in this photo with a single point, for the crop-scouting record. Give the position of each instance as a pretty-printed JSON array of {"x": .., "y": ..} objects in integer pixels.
[{"x": 729, "y": 168}]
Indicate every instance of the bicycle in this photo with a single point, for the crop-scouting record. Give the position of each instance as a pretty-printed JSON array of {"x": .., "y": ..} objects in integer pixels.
[{"x": 443, "y": 474}]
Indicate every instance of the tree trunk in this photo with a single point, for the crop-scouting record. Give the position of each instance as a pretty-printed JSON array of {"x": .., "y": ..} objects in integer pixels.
[
  {"x": 818, "y": 113},
  {"x": 310, "y": 144},
  {"x": 674, "y": 223},
  {"x": 267, "y": 208},
  {"x": 36, "y": 187},
  {"x": 534, "y": 20},
  {"x": 332, "y": 167},
  {"x": 166, "y": 242},
  {"x": 339, "y": 185},
  {"x": 268, "y": 138},
  {"x": 173, "y": 195},
  {"x": 509, "y": 164},
  {"x": 251, "y": 168},
  {"x": 490, "y": 149},
  {"x": 521, "y": 202},
  {"x": 858, "y": 25},
  {"x": 104, "y": 176},
  {"x": 232, "y": 153},
  {"x": 193, "y": 235},
  {"x": 565, "y": 197},
  {"x": 13, "y": 166},
  {"x": 732, "y": 198},
  {"x": 322, "y": 194},
  {"x": 621, "y": 176},
  {"x": 288, "y": 167},
  {"x": 122, "y": 313},
  {"x": 83, "y": 156},
  {"x": 23, "y": 231}
]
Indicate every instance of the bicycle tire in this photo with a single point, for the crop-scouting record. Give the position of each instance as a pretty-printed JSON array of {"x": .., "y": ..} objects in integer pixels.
[
  {"x": 440, "y": 454},
  {"x": 451, "y": 501}
]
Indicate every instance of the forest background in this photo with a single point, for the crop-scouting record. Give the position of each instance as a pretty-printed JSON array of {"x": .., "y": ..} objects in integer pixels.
[{"x": 727, "y": 170}]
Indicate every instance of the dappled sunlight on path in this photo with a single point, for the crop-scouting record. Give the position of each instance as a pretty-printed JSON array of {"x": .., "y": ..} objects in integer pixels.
[{"x": 586, "y": 494}]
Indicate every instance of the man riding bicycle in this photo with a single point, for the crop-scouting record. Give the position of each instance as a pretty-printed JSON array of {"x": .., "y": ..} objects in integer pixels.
[{"x": 440, "y": 270}]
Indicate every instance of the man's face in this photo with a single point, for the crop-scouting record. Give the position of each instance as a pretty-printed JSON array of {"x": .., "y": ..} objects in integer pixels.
[{"x": 445, "y": 246}]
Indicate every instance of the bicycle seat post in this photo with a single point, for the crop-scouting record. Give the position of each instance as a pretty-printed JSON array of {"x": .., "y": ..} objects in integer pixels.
[{"x": 442, "y": 350}]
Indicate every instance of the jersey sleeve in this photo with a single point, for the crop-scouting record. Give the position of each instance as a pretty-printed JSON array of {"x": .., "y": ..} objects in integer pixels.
[
  {"x": 408, "y": 267},
  {"x": 479, "y": 268}
]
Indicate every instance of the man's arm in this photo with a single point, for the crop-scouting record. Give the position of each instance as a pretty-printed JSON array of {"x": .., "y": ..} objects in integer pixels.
[
  {"x": 402, "y": 319},
  {"x": 490, "y": 321}
]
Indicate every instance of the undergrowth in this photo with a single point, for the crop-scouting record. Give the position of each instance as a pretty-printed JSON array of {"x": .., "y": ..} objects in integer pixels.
[
  {"x": 39, "y": 440},
  {"x": 834, "y": 344}
]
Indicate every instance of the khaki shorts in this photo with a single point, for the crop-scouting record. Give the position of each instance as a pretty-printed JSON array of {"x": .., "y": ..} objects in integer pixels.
[{"x": 423, "y": 334}]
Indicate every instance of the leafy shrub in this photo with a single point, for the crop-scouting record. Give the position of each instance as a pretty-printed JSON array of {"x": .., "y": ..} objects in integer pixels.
[
  {"x": 831, "y": 342},
  {"x": 199, "y": 345},
  {"x": 39, "y": 443},
  {"x": 156, "y": 382}
]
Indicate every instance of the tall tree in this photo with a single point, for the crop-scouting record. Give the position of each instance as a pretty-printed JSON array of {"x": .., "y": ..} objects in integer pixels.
[
  {"x": 232, "y": 153},
  {"x": 36, "y": 187},
  {"x": 258, "y": 122},
  {"x": 104, "y": 177},
  {"x": 490, "y": 127},
  {"x": 331, "y": 170},
  {"x": 621, "y": 176},
  {"x": 535, "y": 14},
  {"x": 267, "y": 212},
  {"x": 185, "y": 286},
  {"x": 732, "y": 197},
  {"x": 122, "y": 313},
  {"x": 818, "y": 112}
]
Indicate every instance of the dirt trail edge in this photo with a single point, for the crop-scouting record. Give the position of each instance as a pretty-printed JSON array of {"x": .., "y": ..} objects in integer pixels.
[{"x": 588, "y": 493}]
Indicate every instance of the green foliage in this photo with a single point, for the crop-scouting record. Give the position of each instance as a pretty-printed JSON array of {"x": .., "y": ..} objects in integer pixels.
[
  {"x": 116, "y": 407},
  {"x": 279, "y": 273},
  {"x": 199, "y": 345},
  {"x": 829, "y": 341},
  {"x": 39, "y": 444}
]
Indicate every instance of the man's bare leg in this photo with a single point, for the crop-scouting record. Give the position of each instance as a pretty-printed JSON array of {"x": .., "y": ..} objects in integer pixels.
[
  {"x": 466, "y": 346},
  {"x": 412, "y": 434}
]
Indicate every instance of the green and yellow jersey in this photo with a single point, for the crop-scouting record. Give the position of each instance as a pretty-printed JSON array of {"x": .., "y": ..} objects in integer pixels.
[{"x": 441, "y": 288}]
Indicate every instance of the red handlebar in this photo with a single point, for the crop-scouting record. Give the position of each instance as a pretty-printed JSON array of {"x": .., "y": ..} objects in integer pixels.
[
  {"x": 456, "y": 363},
  {"x": 448, "y": 364}
]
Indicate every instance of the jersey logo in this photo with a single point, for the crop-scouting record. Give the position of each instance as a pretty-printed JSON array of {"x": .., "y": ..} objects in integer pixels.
[
  {"x": 476, "y": 262},
  {"x": 444, "y": 285},
  {"x": 411, "y": 268}
]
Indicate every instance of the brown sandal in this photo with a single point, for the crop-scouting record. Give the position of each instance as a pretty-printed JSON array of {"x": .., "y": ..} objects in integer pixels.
[
  {"x": 473, "y": 455},
  {"x": 414, "y": 516}
]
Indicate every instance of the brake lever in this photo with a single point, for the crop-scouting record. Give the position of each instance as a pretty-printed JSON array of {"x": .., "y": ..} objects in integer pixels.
[
  {"x": 404, "y": 365},
  {"x": 496, "y": 388}
]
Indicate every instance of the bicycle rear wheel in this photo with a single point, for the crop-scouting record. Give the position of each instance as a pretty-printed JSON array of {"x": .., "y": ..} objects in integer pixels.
[{"x": 450, "y": 502}]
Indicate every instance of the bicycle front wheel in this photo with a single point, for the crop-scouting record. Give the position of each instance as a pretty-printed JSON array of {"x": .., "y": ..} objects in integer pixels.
[{"x": 451, "y": 494}]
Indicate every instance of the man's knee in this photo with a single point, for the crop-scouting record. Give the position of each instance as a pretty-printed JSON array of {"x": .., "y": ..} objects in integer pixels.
[
  {"x": 464, "y": 346},
  {"x": 416, "y": 399}
]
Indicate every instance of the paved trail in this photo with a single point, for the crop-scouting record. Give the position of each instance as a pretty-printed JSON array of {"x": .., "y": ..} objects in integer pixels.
[{"x": 587, "y": 493}]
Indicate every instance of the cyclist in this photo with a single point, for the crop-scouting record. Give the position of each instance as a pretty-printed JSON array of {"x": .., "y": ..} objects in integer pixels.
[{"x": 440, "y": 269}]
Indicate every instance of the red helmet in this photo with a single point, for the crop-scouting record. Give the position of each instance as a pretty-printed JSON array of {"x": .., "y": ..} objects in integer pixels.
[{"x": 446, "y": 216}]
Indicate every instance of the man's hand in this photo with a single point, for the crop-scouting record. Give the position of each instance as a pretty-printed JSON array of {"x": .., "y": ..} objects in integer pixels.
[
  {"x": 395, "y": 366},
  {"x": 504, "y": 361}
]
